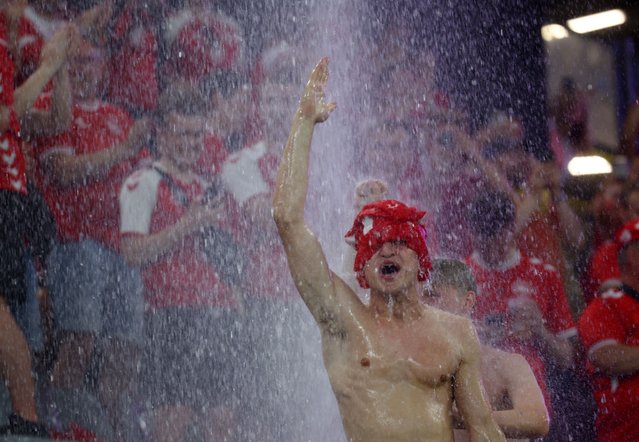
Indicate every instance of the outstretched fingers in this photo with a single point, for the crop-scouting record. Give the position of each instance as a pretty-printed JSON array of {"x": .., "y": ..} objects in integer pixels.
[{"x": 319, "y": 76}]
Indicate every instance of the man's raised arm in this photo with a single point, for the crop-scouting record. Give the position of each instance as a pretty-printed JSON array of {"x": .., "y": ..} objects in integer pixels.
[{"x": 306, "y": 259}]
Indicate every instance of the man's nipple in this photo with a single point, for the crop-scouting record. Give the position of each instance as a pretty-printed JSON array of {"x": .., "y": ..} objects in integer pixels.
[{"x": 365, "y": 362}]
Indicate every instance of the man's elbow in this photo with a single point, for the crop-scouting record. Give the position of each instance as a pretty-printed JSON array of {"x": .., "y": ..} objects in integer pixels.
[
  {"x": 284, "y": 217},
  {"x": 130, "y": 252},
  {"x": 536, "y": 426},
  {"x": 527, "y": 424}
]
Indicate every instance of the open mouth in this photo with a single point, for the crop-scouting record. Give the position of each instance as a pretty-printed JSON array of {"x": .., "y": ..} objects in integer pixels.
[{"x": 389, "y": 269}]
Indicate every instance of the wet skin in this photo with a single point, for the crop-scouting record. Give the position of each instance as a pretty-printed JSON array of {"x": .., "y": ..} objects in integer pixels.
[
  {"x": 392, "y": 379},
  {"x": 392, "y": 369}
]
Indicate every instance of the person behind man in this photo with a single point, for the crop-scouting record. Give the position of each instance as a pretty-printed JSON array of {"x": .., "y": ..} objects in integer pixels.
[
  {"x": 190, "y": 351},
  {"x": 524, "y": 294},
  {"x": 609, "y": 329},
  {"x": 393, "y": 363},
  {"x": 517, "y": 401}
]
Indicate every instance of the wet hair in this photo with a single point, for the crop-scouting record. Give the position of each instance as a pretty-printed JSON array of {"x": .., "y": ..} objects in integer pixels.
[
  {"x": 453, "y": 273},
  {"x": 491, "y": 213}
]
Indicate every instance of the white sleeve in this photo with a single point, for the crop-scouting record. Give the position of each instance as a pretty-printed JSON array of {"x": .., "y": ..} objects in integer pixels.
[
  {"x": 241, "y": 174},
  {"x": 138, "y": 198}
]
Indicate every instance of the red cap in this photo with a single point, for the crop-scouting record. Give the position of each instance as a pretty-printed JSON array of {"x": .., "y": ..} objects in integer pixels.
[{"x": 384, "y": 221}]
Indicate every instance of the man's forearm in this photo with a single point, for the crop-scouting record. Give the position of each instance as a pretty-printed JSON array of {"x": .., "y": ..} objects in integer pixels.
[
  {"x": 69, "y": 170},
  {"x": 57, "y": 119},
  {"x": 26, "y": 94},
  {"x": 617, "y": 359},
  {"x": 292, "y": 178}
]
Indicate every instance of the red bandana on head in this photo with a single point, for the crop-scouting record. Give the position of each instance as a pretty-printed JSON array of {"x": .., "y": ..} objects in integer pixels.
[{"x": 384, "y": 221}]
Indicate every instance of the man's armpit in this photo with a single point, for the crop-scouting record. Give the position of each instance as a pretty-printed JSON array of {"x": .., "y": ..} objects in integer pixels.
[{"x": 328, "y": 322}]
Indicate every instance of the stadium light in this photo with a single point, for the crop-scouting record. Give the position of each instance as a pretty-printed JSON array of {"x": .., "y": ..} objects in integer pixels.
[
  {"x": 589, "y": 165},
  {"x": 553, "y": 31},
  {"x": 595, "y": 22}
]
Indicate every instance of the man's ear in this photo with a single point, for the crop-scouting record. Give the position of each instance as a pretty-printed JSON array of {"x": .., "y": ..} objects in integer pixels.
[{"x": 469, "y": 301}]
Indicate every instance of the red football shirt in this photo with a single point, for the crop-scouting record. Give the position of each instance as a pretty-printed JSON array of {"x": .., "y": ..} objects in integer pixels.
[
  {"x": 249, "y": 176},
  {"x": 530, "y": 278},
  {"x": 613, "y": 318},
  {"x": 89, "y": 209},
  {"x": 183, "y": 277},
  {"x": 13, "y": 174}
]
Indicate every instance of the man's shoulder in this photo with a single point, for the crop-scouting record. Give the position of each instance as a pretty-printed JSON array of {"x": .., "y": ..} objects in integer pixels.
[
  {"x": 456, "y": 326},
  {"x": 501, "y": 358}
]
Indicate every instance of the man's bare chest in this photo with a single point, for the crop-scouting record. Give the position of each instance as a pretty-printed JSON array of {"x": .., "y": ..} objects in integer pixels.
[{"x": 419, "y": 356}]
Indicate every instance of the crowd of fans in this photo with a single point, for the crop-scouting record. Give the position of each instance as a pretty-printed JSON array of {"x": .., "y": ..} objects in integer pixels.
[{"x": 140, "y": 142}]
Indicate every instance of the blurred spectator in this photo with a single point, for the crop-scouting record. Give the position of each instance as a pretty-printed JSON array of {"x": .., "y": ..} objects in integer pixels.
[
  {"x": 20, "y": 213},
  {"x": 97, "y": 299},
  {"x": 546, "y": 230},
  {"x": 515, "y": 397},
  {"x": 206, "y": 51},
  {"x": 609, "y": 214},
  {"x": 192, "y": 312},
  {"x": 569, "y": 124},
  {"x": 276, "y": 387},
  {"x": 525, "y": 293},
  {"x": 546, "y": 224},
  {"x": 609, "y": 330}
]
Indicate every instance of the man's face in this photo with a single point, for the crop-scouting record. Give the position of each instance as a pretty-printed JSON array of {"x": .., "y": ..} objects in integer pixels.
[
  {"x": 392, "y": 269},
  {"x": 182, "y": 139},
  {"x": 448, "y": 298},
  {"x": 86, "y": 72}
]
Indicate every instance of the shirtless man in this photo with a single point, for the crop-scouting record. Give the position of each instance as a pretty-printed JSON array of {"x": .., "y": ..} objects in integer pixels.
[
  {"x": 392, "y": 364},
  {"x": 517, "y": 401}
]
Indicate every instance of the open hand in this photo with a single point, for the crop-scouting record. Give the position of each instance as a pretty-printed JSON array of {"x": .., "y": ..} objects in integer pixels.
[{"x": 313, "y": 104}]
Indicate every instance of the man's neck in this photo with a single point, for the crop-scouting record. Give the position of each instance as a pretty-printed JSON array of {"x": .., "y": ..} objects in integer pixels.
[{"x": 404, "y": 306}]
